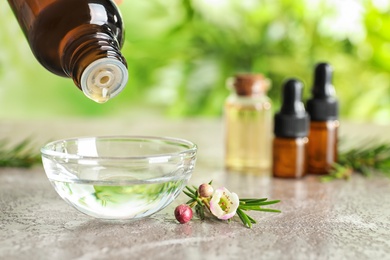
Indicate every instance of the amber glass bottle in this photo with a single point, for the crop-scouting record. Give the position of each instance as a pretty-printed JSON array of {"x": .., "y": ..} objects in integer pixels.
[
  {"x": 80, "y": 39},
  {"x": 323, "y": 111},
  {"x": 248, "y": 125},
  {"x": 291, "y": 130}
]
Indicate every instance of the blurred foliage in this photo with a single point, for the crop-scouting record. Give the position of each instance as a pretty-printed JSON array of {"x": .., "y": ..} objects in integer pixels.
[
  {"x": 181, "y": 52},
  {"x": 21, "y": 154}
]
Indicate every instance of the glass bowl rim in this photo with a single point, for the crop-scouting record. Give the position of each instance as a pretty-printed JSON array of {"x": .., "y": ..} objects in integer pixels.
[{"x": 192, "y": 147}]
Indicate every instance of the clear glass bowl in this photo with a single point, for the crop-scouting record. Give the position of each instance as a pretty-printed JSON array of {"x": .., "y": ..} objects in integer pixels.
[{"x": 119, "y": 177}]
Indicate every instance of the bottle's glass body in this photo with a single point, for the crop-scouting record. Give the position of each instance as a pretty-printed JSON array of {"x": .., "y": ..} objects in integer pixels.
[
  {"x": 289, "y": 157},
  {"x": 322, "y": 148},
  {"x": 248, "y": 133},
  {"x": 80, "y": 39}
]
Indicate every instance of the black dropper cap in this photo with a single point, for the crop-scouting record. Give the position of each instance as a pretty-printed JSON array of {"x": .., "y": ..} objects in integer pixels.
[
  {"x": 292, "y": 121},
  {"x": 323, "y": 105}
]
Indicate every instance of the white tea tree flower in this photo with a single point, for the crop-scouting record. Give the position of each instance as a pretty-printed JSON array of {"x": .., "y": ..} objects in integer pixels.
[{"x": 224, "y": 203}]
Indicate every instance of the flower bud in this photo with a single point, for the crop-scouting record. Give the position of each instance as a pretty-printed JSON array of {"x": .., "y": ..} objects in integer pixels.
[
  {"x": 183, "y": 213},
  {"x": 205, "y": 190}
]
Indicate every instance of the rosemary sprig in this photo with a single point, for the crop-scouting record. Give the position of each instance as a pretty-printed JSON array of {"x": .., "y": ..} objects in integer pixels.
[
  {"x": 202, "y": 204},
  {"x": 21, "y": 154},
  {"x": 366, "y": 160},
  {"x": 254, "y": 204}
]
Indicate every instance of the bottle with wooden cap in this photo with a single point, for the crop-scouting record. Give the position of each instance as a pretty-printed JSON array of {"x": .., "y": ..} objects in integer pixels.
[
  {"x": 80, "y": 39},
  {"x": 291, "y": 130},
  {"x": 248, "y": 124},
  {"x": 323, "y": 111}
]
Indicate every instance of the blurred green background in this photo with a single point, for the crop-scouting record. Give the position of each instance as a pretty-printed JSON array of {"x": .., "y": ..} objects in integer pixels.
[{"x": 180, "y": 53}]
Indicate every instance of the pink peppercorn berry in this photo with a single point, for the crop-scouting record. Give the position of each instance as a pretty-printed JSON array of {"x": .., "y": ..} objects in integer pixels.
[{"x": 183, "y": 213}]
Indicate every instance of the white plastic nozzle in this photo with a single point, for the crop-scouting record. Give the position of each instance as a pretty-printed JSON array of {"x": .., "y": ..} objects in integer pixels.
[{"x": 103, "y": 79}]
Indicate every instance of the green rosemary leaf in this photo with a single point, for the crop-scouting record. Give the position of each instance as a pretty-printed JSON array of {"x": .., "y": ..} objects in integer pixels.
[
  {"x": 200, "y": 202},
  {"x": 251, "y": 219},
  {"x": 259, "y": 203},
  {"x": 246, "y": 207},
  {"x": 244, "y": 218},
  {"x": 268, "y": 202},
  {"x": 239, "y": 214},
  {"x": 192, "y": 196},
  {"x": 190, "y": 190},
  {"x": 339, "y": 172},
  {"x": 248, "y": 201},
  {"x": 257, "y": 208},
  {"x": 269, "y": 210},
  {"x": 190, "y": 201}
]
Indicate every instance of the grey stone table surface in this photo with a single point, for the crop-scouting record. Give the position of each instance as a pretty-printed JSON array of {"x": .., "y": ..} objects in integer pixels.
[{"x": 336, "y": 220}]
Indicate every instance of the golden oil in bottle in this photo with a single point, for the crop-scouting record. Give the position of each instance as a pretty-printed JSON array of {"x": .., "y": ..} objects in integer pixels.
[{"x": 248, "y": 124}]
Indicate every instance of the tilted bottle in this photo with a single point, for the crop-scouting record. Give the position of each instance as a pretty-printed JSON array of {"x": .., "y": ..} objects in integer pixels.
[
  {"x": 291, "y": 129},
  {"x": 248, "y": 124},
  {"x": 80, "y": 39},
  {"x": 323, "y": 111}
]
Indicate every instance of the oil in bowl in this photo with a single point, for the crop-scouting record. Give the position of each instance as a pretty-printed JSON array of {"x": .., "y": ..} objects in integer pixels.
[{"x": 125, "y": 177}]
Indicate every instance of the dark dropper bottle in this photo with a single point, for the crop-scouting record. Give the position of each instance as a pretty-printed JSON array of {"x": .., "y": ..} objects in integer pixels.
[
  {"x": 323, "y": 111},
  {"x": 291, "y": 130},
  {"x": 80, "y": 39}
]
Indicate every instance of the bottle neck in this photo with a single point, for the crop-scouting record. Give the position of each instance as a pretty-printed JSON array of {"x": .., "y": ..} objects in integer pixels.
[{"x": 93, "y": 60}]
